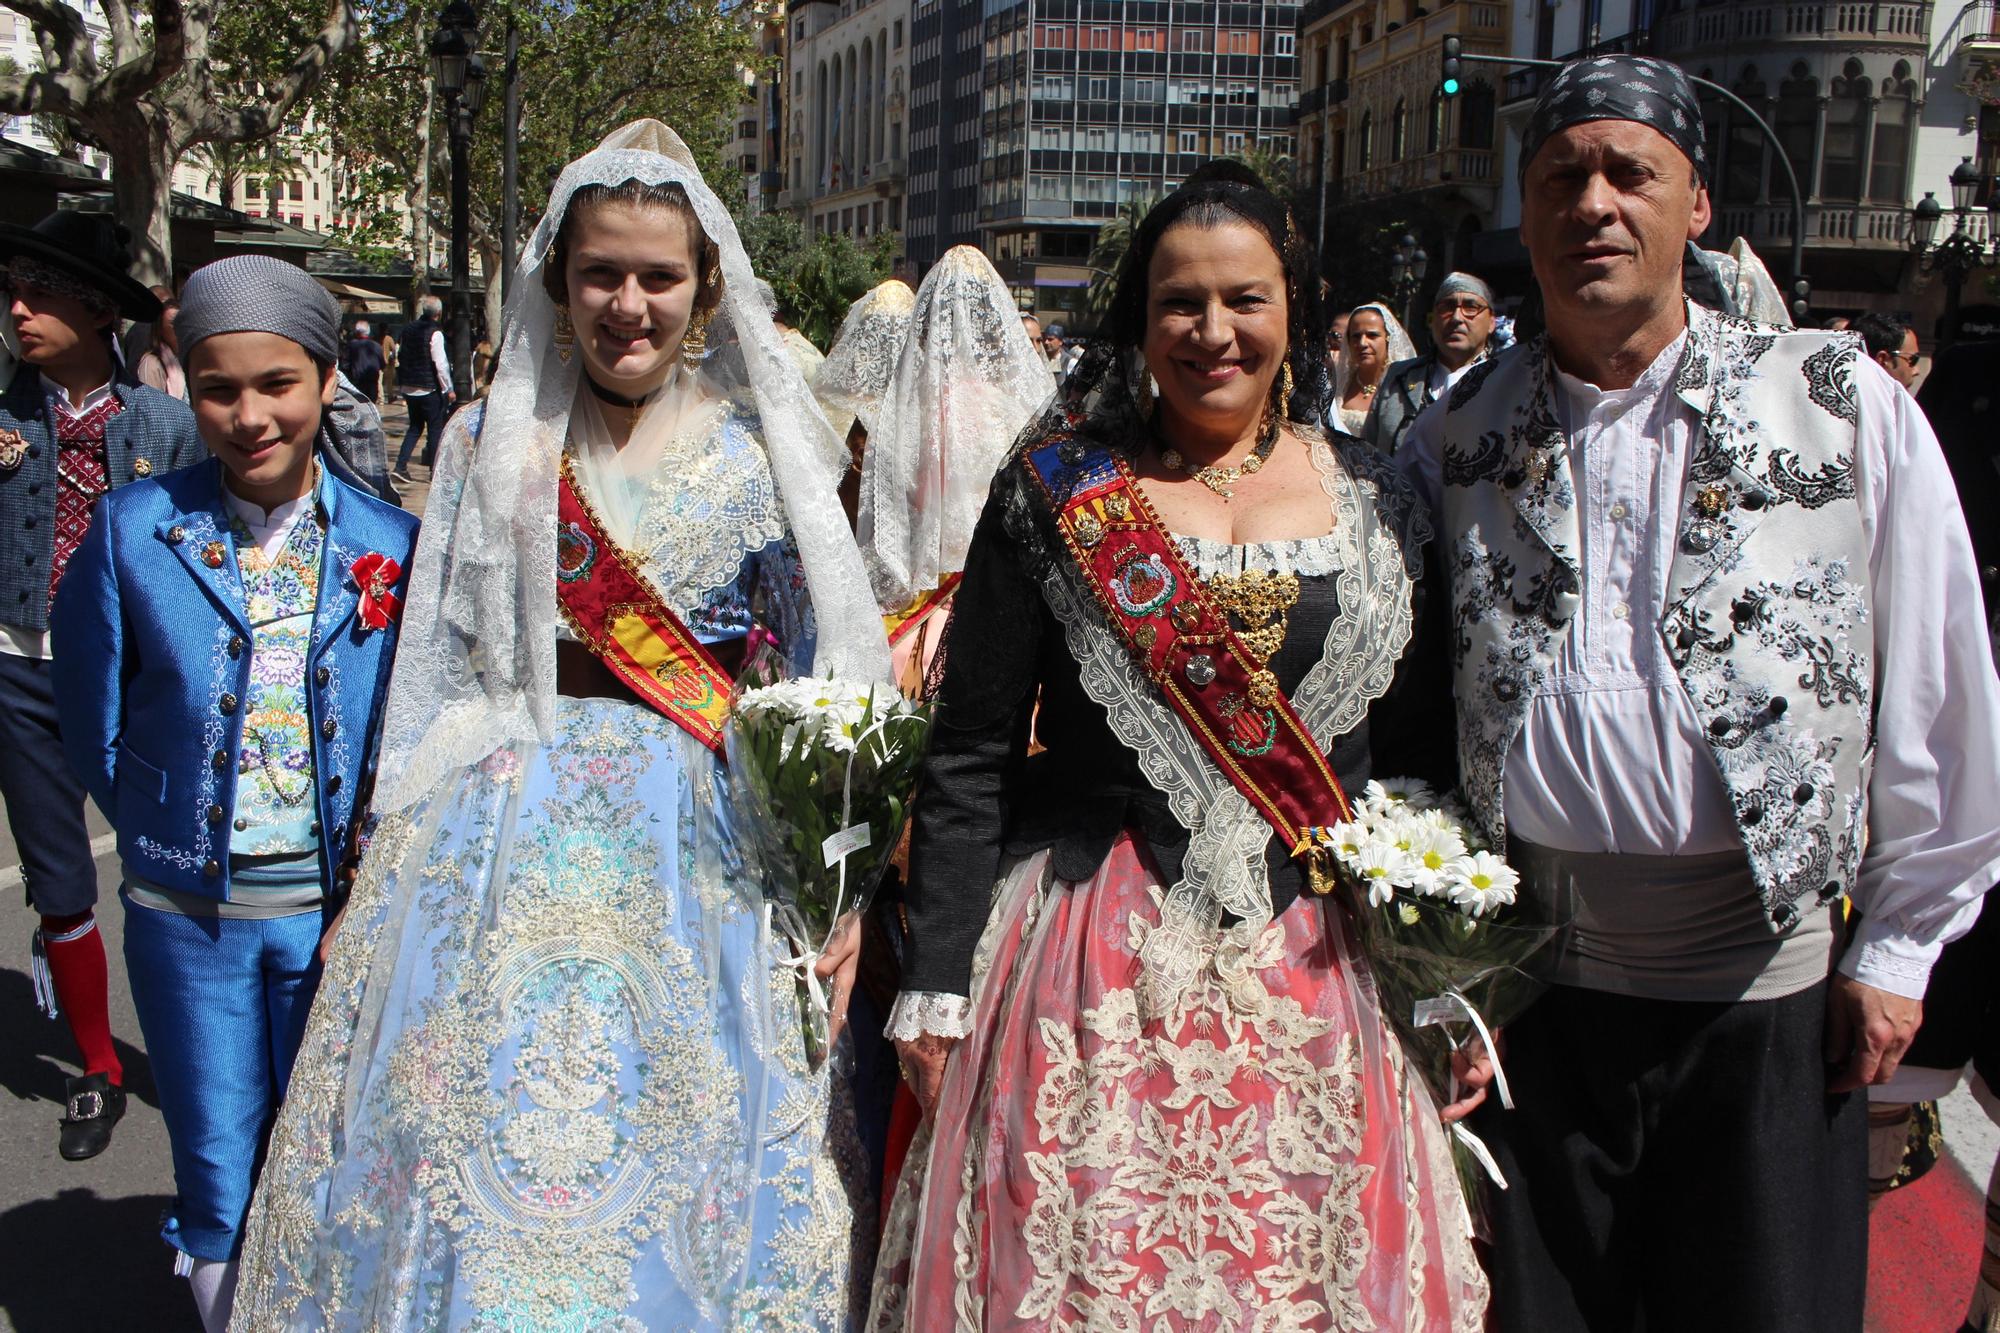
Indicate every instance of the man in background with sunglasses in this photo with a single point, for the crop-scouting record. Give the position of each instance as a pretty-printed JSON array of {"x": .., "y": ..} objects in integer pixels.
[
  {"x": 1893, "y": 344},
  {"x": 1461, "y": 336},
  {"x": 73, "y": 425}
]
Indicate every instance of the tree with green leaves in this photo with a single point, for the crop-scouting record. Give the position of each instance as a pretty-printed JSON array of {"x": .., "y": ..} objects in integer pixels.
[
  {"x": 585, "y": 67},
  {"x": 157, "y": 79},
  {"x": 816, "y": 278}
]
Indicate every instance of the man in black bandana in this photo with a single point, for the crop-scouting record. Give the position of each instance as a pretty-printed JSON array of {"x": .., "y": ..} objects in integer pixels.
[{"x": 1714, "y": 675}]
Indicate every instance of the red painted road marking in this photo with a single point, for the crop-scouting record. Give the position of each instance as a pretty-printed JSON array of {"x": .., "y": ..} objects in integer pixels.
[{"x": 1924, "y": 1243}]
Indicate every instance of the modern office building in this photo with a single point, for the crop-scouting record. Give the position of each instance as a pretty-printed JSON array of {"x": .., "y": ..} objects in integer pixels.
[
  {"x": 1085, "y": 105},
  {"x": 754, "y": 154},
  {"x": 847, "y": 72},
  {"x": 945, "y": 127}
]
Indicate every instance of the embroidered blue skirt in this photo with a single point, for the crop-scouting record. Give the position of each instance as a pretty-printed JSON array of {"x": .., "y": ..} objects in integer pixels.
[{"x": 554, "y": 1079}]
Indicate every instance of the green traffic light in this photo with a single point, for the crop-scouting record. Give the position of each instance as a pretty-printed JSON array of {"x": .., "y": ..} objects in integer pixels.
[{"x": 1451, "y": 87}]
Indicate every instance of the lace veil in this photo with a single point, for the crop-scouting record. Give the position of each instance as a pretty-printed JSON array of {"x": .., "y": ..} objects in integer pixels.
[
  {"x": 1400, "y": 348},
  {"x": 966, "y": 381},
  {"x": 475, "y": 668},
  {"x": 856, "y": 373}
]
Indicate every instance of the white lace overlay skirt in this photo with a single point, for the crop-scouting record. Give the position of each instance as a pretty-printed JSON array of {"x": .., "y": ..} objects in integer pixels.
[
  {"x": 552, "y": 1079},
  {"x": 1256, "y": 1160}
]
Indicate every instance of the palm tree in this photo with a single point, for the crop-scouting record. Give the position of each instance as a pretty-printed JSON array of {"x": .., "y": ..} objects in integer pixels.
[{"x": 1107, "y": 255}]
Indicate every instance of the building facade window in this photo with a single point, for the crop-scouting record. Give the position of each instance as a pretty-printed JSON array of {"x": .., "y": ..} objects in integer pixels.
[
  {"x": 1846, "y": 120},
  {"x": 1397, "y": 120},
  {"x": 1365, "y": 146},
  {"x": 1475, "y": 117},
  {"x": 1889, "y": 165}
]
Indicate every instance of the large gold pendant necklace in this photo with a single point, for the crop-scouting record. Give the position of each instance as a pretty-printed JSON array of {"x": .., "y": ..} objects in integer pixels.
[
  {"x": 1261, "y": 603},
  {"x": 1221, "y": 479}
]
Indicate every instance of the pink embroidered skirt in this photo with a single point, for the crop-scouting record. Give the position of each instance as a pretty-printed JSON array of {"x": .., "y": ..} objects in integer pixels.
[{"x": 1257, "y": 1158}]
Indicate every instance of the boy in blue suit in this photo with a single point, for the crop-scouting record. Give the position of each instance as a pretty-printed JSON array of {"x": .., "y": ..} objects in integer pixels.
[{"x": 226, "y": 634}]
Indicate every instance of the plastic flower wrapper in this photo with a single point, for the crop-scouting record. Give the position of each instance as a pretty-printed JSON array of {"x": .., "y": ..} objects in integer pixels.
[
  {"x": 1454, "y": 955},
  {"x": 821, "y": 774}
]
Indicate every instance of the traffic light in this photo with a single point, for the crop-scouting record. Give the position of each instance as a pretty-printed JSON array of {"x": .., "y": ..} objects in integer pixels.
[{"x": 1450, "y": 84}]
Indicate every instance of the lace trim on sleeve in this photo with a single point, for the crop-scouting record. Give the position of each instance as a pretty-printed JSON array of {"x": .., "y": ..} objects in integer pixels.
[{"x": 928, "y": 1013}]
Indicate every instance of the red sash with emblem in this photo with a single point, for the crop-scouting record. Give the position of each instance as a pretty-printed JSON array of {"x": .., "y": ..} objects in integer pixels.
[
  {"x": 900, "y": 623},
  {"x": 617, "y": 614},
  {"x": 1184, "y": 644}
]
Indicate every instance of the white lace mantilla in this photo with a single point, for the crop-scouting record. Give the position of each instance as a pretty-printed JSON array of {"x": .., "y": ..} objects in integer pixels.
[{"x": 1225, "y": 869}]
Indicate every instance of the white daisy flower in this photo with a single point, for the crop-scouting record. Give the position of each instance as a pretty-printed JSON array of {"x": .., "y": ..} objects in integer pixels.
[{"x": 1482, "y": 882}]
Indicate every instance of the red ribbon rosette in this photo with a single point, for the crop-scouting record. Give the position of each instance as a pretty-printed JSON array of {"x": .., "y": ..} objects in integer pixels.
[{"x": 374, "y": 574}]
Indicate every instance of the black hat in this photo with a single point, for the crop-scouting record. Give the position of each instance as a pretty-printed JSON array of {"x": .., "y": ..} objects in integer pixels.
[{"x": 90, "y": 248}]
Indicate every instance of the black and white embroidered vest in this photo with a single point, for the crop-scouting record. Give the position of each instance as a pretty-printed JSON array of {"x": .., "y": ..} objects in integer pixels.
[{"x": 1767, "y": 614}]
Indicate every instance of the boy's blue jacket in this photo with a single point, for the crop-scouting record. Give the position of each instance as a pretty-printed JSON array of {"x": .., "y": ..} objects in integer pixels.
[{"x": 152, "y": 670}]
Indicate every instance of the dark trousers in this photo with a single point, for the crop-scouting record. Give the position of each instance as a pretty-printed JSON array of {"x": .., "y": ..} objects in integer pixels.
[
  {"x": 1676, "y": 1166},
  {"x": 44, "y": 798},
  {"x": 426, "y": 414},
  {"x": 370, "y": 385}
]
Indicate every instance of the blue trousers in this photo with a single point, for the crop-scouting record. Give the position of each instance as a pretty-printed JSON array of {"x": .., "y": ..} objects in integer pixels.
[
  {"x": 222, "y": 1003},
  {"x": 44, "y": 799}
]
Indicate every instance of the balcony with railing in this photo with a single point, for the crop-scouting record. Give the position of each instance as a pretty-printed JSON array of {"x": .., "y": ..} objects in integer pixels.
[
  {"x": 1479, "y": 22},
  {"x": 1877, "y": 227},
  {"x": 1312, "y": 101},
  {"x": 1420, "y": 171},
  {"x": 1975, "y": 38},
  {"x": 1893, "y": 22}
]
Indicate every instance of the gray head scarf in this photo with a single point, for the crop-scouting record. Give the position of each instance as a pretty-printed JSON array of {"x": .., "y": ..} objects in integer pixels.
[
  {"x": 1654, "y": 93},
  {"x": 1464, "y": 284},
  {"x": 259, "y": 294}
]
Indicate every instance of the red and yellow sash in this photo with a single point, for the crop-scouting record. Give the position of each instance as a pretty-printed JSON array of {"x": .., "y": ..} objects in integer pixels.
[
  {"x": 1184, "y": 644},
  {"x": 900, "y": 623},
  {"x": 617, "y": 614}
]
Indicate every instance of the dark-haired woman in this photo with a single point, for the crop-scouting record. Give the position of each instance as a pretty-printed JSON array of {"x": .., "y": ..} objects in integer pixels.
[
  {"x": 1159, "y": 1091},
  {"x": 554, "y": 1078}
]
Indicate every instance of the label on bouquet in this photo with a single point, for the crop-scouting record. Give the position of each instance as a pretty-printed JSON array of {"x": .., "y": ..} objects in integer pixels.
[
  {"x": 1441, "y": 1009},
  {"x": 849, "y": 840}
]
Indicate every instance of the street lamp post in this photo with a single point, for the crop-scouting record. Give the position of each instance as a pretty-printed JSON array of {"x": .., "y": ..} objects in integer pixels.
[
  {"x": 1958, "y": 254},
  {"x": 1407, "y": 266},
  {"x": 461, "y": 81}
]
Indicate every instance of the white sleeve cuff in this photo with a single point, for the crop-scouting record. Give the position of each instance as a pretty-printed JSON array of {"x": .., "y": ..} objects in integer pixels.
[
  {"x": 1882, "y": 957},
  {"x": 928, "y": 1014}
]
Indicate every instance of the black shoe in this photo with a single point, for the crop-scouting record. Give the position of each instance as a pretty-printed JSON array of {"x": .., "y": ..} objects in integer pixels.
[
  {"x": 402, "y": 475},
  {"x": 94, "y": 1107}
]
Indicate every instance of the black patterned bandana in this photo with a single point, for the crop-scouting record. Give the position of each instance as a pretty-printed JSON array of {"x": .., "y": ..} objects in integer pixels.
[{"x": 1655, "y": 93}]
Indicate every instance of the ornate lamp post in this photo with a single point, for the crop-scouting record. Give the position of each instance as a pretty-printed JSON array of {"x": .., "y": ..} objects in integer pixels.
[
  {"x": 1407, "y": 265},
  {"x": 1958, "y": 254},
  {"x": 461, "y": 80}
]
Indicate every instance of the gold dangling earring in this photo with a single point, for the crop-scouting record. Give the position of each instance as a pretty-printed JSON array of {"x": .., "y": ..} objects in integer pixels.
[
  {"x": 565, "y": 334},
  {"x": 1143, "y": 396},
  {"x": 694, "y": 344},
  {"x": 1285, "y": 388}
]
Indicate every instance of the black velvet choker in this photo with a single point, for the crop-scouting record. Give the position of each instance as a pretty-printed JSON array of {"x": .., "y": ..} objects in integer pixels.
[{"x": 604, "y": 395}]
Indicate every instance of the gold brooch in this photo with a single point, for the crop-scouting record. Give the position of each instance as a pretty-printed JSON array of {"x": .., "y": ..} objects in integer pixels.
[
  {"x": 13, "y": 448},
  {"x": 142, "y": 467},
  {"x": 1118, "y": 507},
  {"x": 213, "y": 555},
  {"x": 1089, "y": 529},
  {"x": 1711, "y": 501}
]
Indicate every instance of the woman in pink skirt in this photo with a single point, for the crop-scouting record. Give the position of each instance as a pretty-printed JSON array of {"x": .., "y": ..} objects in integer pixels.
[{"x": 1160, "y": 1093}]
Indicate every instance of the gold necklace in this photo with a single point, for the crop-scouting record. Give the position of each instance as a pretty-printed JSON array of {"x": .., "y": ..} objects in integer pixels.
[
  {"x": 1220, "y": 479},
  {"x": 1261, "y": 603}
]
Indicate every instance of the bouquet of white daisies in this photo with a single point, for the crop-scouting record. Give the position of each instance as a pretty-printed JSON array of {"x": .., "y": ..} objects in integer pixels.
[
  {"x": 1454, "y": 957},
  {"x": 822, "y": 773}
]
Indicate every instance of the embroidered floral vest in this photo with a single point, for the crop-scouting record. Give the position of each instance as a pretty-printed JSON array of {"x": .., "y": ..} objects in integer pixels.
[
  {"x": 1767, "y": 611},
  {"x": 275, "y": 790}
]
